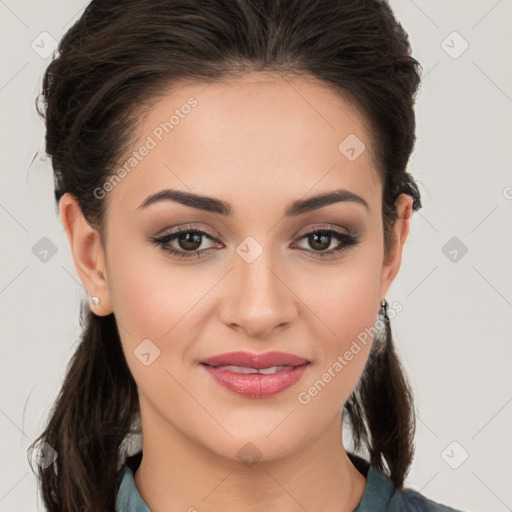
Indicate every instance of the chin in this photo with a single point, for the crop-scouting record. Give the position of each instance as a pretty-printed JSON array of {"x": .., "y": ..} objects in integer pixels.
[{"x": 257, "y": 448}]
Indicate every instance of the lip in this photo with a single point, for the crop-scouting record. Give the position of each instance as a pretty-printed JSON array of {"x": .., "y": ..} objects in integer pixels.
[
  {"x": 257, "y": 361},
  {"x": 256, "y": 385}
]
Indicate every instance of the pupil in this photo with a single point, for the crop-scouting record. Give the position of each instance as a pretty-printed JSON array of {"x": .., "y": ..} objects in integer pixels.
[{"x": 190, "y": 238}]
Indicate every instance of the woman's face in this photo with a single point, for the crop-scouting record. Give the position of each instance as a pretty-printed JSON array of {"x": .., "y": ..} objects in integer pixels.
[{"x": 258, "y": 279}]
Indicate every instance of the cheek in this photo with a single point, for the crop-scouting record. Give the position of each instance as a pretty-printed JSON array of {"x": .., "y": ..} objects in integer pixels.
[
  {"x": 154, "y": 309},
  {"x": 341, "y": 357},
  {"x": 152, "y": 300},
  {"x": 347, "y": 306},
  {"x": 346, "y": 297}
]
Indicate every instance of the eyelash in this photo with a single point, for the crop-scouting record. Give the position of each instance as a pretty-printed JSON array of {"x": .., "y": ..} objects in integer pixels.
[{"x": 347, "y": 241}]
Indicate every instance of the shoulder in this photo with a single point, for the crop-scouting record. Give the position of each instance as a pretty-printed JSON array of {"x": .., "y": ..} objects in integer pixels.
[
  {"x": 381, "y": 496},
  {"x": 413, "y": 501}
]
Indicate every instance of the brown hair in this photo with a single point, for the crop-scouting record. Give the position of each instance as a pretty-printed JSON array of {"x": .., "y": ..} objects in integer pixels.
[{"x": 111, "y": 65}]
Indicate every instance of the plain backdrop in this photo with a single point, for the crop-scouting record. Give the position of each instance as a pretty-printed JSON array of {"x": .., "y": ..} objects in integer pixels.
[{"x": 455, "y": 281}]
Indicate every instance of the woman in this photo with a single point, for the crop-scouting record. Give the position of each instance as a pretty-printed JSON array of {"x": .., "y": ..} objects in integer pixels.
[{"x": 232, "y": 180}]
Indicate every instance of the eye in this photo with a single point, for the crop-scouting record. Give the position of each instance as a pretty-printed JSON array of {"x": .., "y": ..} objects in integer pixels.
[
  {"x": 322, "y": 238},
  {"x": 188, "y": 239},
  {"x": 186, "y": 242}
]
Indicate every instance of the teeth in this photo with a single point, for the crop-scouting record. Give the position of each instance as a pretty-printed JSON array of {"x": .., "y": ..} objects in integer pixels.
[
  {"x": 273, "y": 369},
  {"x": 243, "y": 369},
  {"x": 237, "y": 369}
]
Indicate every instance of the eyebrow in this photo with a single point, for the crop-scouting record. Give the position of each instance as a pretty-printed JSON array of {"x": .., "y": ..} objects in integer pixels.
[{"x": 211, "y": 204}]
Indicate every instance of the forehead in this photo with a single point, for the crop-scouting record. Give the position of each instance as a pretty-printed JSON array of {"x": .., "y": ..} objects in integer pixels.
[{"x": 261, "y": 134}]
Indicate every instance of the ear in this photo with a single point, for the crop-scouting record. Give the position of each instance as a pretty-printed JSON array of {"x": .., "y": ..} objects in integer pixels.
[
  {"x": 87, "y": 251},
  {"x": 398, "y": 234}
]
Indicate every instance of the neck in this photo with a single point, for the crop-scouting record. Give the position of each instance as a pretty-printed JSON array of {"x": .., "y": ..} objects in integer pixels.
[{"x": 177, "y": 474}]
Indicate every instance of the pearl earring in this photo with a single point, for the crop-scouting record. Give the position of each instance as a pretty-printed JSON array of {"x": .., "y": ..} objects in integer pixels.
[{"x": 96, "y": 301}]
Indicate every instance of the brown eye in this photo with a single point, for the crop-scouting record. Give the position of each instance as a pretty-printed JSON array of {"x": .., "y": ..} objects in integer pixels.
[
  {"x": 184, "y": 243},
  {"x": 189, "y": 241},
  {"x": 320, "y": 240}
]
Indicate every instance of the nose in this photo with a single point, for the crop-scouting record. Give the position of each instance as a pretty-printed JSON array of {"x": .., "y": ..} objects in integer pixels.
[{"x": 257, "y": 299}]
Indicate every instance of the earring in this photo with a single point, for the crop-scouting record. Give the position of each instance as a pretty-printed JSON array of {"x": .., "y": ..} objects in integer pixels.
[
  {"x": 96, "y": 301},
  {"x": 384, "y": 313},
  {"x": 384, "y": 310}
]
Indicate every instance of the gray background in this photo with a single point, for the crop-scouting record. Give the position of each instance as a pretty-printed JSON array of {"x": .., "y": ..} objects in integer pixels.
[{"x": 454, "y": 331}]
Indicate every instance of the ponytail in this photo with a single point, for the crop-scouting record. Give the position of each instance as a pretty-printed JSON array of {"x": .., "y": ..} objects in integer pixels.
[
  {"x": 381, "y": 407},
  {"x": 88, "y": 422}
]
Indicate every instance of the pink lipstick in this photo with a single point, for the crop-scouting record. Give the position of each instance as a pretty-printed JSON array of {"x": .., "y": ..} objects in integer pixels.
[{"x": 256, "y": 375}]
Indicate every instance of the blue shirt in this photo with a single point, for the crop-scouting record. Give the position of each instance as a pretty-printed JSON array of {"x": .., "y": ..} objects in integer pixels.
[{"x": 378, "y": 496}]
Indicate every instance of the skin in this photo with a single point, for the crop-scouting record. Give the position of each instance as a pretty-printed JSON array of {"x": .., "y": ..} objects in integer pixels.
[{"x": 258, "y": 143}]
